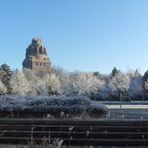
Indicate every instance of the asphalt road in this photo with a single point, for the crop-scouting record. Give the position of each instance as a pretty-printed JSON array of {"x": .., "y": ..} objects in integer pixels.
[{"x": 127, "y": 106}]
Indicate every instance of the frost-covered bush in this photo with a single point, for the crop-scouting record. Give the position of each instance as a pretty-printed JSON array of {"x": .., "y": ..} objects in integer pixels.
[{"x": 68, "y": 106}]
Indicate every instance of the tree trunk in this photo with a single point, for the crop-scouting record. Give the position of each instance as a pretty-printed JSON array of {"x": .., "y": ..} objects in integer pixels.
[
  {"x": 109, "y": 96},
  {"x": 120, "y": 95}
]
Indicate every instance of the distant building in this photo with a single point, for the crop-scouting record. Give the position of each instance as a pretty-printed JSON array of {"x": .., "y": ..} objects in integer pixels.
[{"x": 36, "y": 56}]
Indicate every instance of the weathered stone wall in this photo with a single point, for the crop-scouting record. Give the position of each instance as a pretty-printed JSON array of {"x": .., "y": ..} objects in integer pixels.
[{"x": 36, "y": 56}]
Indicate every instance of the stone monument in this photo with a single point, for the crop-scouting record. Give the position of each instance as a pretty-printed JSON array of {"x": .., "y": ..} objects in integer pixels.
[{"x": 36, "y": 57}]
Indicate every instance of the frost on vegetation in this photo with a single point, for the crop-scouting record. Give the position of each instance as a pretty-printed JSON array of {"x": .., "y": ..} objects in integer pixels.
[
  {"x": 62, "y": 83},
  {"x": 120, "y": 81},
  {"x": 107, "y": 90},
  {"x": 41, "y": 88},
  {"x": 3, "y": 89},
  {"x": 19, "y": 83},
  {"x": 85, "y": 84},
  {"x": 53, "y": 105},
  {"x": 52, "y": 84},
  {"x": 146, "y": 84},
  {"x": 136, "y": 86}
]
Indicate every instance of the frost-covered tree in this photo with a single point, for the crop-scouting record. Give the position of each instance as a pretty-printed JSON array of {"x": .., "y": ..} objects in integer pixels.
[
  {"x": 97, "y": 74},
  {"x": 60, "y": 73},
  {"x": 146, "y": 87},
  {"x": 136, "y": 84},
  {"x": 145, "y": 91},
  {"x": 66, "y": 85},
  {"x": 95, "y": 85},
  {"x": 5, "y": 75},
  {"x": 85, "y": 84},
  {"x": 108, "y": 90},
  {"x": 3, "y": 89},
  {"x": 32, "y": 81},
  {"x": 114, "y": 71},
  {"x": 41, "y": 89},
  {"x": 19, "y": 83},
  {"x": 48, "y": 84},
  {"x": 146, "y": 84},
  {"x": 145, "y": 76},
  {"x": 120, "y": 83},
  {"x": 29, "y": 74},
  {"x": 52, "y": 84},
  {"x": 64, "y": 78}
]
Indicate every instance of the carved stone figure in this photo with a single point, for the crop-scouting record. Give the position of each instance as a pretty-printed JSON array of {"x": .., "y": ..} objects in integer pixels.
[{"x": 36, "y": 56}]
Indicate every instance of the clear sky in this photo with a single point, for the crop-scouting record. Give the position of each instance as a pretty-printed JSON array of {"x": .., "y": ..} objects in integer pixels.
[{"x": 84, "y": 35}]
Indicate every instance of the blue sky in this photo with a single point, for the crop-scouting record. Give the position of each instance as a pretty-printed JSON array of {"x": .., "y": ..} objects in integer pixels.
[{"x": 84, "y": 35}]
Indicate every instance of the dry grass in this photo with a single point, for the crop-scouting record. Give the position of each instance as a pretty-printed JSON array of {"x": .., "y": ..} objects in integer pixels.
[
  {"x": 25, "y": 146},
  {"x": 35, "y": 146}
]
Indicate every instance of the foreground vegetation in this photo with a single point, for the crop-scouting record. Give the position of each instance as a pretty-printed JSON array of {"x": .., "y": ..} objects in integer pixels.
[{"x": 50, "y": 107}]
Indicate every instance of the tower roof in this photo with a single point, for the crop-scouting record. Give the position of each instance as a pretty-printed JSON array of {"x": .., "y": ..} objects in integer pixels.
[{"x": 36, "y": 41}]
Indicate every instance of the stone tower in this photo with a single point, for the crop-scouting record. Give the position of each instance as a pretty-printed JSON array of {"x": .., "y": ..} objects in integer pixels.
[{"x": 36, "y": 56}]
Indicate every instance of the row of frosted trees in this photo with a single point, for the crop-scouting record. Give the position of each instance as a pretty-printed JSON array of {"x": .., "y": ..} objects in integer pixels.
[{"x": 116, "y": 85}]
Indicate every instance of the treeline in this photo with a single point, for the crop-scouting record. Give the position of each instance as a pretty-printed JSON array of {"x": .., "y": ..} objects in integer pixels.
[{"x": 129, "y": 86}]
